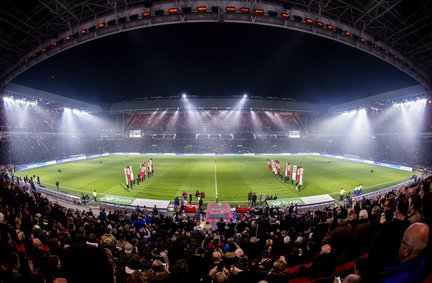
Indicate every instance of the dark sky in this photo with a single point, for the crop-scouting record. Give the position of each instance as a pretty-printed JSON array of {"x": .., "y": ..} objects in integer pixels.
[{"x": 214, "y": 59}]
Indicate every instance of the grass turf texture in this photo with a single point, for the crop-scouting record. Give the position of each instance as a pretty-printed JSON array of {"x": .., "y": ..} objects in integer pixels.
[{"x": 235, "y": 176}]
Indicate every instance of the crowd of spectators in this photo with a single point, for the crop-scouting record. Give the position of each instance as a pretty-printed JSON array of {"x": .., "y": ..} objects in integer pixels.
[
  {"x": 386, "y": 237},
  {"x": 22, "y": 149},
  {"x": 44, "y": 133}
]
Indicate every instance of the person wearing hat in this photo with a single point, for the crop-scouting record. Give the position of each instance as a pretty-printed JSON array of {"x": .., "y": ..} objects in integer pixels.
[{"x": 125, "y": 255}]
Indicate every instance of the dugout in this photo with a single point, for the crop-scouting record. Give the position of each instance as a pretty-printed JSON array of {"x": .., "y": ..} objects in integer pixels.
[{"x": 216, "y": 211}]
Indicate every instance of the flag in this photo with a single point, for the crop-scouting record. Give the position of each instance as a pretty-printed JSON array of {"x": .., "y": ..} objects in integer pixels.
[
  {"x": 294, "y": 173},
  {"x": 131, "y": 173},
  {"x": 150, "y": 165},
  {"x": 287, "y": 170},
  {"x": 142, "y": 170},
  {"x": 128, "y": 174},
  {"x": 300, "y": 175},
  {"x": 278, "y": 167},
  {"x": 273, "y": 165}
]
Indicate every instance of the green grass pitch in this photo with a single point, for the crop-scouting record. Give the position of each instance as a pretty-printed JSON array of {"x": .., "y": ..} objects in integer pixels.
[{"x": 232, "y": 177}]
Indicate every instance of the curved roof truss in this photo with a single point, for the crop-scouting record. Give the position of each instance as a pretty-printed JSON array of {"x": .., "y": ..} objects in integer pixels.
[{"x": 29, "y": 35}]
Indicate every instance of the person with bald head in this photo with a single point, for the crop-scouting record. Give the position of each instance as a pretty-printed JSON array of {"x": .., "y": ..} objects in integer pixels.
[{"x": 412, "y": 266}]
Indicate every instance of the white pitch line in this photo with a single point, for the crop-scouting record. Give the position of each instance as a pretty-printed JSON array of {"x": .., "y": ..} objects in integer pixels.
[{"x": 215, "y": 174}]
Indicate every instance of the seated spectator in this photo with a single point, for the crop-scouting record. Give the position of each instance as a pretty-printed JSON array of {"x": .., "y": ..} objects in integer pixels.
[
  {"x": 322, "y": 266},
  {"x": 279, "y": 272},
  {"x": 414, "y": 202},
  {"x": 412, "y": 266},
  {"x": 157, "y": 273}
]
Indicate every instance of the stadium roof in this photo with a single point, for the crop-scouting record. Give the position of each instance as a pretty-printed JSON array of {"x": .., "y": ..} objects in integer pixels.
[
  {"x": 399, "y": 32},
  {"x": 19, "y": 91}
]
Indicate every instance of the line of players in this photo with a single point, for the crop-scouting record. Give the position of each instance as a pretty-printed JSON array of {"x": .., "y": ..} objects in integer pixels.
[
  {"x": 144, "y": 170},
  {"x": 296, "y": 179}
]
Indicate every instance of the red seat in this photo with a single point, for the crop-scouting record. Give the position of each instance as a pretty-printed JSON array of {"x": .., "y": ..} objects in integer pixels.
[
  {"x": 296, "y": 268},
  {"x": 328, "y": 279},
  {"x": 428, "y": 279},
  {"x": 299, "y": 280},
  {"x": 345, "y": 268}
]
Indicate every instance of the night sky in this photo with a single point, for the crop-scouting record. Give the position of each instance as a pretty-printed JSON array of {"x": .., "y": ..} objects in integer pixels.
[{"x": 214, "y": 59}]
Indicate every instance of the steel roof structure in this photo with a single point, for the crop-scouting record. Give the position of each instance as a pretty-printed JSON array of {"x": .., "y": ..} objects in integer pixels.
[{"x": 397, "y": 31}]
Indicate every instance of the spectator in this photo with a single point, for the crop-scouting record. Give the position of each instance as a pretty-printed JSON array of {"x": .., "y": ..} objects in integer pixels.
[
  {"x": 412, "y": 266},
  {"x": 386, "y": 240}
]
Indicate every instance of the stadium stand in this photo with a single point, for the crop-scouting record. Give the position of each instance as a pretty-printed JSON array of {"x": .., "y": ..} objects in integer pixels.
[{"x": 43, "y": 239}]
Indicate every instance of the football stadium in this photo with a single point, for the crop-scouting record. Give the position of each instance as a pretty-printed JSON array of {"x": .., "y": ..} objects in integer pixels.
[{"x": 208, "y": 141}]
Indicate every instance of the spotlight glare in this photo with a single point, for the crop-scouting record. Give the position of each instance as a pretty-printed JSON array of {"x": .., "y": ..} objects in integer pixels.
[
  {"x": 184, "y": 95},
  {"x": 245, "y": 96},
  {"x": 8, "y": 99}
]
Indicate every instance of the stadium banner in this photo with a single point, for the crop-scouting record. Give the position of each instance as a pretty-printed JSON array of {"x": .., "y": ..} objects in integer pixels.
[
  {"x": 301, "y": 201},
  {"x": 128, "y": 201},
  {"x": 285, "y": 202},
  {"x": 317, "y": 199},
  {"x": 117, "y": 199},
  {"x": 150, "y": 203}
]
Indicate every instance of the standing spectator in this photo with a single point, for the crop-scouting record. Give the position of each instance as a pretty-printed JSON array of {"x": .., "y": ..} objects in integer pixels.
[
  {"x": 94, "y": 195},
  {"x": 254, "y": 199},
  {"x": 249, "y": 198},
  {"x": 155, "y": 211},
  {"x": 341, "y": 194}
]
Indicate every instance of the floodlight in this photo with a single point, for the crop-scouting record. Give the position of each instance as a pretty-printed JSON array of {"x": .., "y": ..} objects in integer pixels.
[
  {"x": 8, "y": 99},
  {"x": 184, "y": 95},
  {"x": 245, "y": 96}
]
